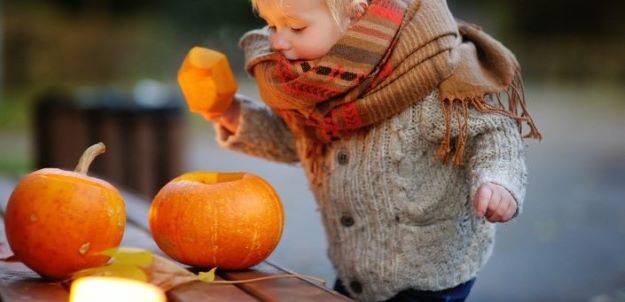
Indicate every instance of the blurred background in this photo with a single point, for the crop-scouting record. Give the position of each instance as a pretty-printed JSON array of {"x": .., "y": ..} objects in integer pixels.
[{"x": 73, "y": 72}]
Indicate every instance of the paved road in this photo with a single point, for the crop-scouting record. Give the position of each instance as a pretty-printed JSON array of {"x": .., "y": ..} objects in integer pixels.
[{"x": 568, "y": 245}]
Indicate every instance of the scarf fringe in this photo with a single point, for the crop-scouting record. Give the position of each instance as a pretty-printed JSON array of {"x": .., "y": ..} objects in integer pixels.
[{"x": 459, "y": 109}]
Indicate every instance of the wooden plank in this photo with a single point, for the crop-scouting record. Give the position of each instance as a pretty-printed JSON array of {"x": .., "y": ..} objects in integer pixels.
[
  {"x": 30, "y": 289},
  {"x": 194, "y": 291},
  {"x": 291, "y": 289},
  {"x": 18, "y": 283},
  {"x": 137, "y": 209},
  {"x": 6, "y": 187},
  {"x": 283, "y": 289},
  {"x": 138, "y": 238},
  {"x": 201, "y": 291},
  {"x": 280, "y": 268}
]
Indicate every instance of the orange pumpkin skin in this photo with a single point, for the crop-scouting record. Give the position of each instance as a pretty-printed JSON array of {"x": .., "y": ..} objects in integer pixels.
[
  {"x": 208, "y": 219},
  {"x": 207, "y": 82},
  {"x": 57, "y": 220}
]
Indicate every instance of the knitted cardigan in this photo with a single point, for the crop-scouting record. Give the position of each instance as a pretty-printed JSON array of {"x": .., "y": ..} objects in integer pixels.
[{"x": 396, "y": 217}]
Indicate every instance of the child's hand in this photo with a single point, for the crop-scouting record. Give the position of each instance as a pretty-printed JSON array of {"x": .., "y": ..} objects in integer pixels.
[
  {"x": 494, "y": 202},
  {"x": 229, "y": 119}
]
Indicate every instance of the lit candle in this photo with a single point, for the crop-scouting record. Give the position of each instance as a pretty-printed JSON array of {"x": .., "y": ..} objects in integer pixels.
[{"x": 100, "y": 289}]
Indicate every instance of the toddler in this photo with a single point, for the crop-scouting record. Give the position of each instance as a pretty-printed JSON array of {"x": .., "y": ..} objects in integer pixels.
[{"x": 407, "y": 124}]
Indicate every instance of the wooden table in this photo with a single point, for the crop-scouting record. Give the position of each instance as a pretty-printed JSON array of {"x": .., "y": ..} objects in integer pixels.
[{"x": 19, "y": 283}]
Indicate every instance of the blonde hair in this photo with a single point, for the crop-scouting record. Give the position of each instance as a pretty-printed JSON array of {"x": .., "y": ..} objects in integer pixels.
[{"x": 338, "y": 8}]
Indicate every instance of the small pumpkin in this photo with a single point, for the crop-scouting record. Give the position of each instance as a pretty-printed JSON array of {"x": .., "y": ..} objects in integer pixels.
[
  {"x": 207, "y": 81},
  {"x": 57, "y": 221},
  {"x": 212, "y": 219}
]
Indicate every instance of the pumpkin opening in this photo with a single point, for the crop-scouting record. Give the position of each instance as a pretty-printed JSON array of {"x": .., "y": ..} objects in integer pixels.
[{"x": 212, "y": 178}]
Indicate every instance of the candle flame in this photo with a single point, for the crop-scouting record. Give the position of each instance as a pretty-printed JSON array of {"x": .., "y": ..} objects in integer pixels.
[{"x": 100, "y": 289}]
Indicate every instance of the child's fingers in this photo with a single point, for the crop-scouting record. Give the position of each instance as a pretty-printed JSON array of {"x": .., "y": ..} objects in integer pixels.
[
  {"x": 211, "y": 117},
  {"x": 481, "y": 200},
  {"x": 510, "y": 211},
  {"x": 493, "y": 205},
  {"x": 502, "y": 214}
]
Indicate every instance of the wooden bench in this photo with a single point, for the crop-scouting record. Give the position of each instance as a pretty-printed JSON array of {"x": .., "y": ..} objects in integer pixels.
[
  {"x": 19, "y": 283},
  {"x": 144, "y": 143}
]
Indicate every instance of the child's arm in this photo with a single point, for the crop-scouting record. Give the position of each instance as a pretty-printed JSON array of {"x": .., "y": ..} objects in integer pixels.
[
  {"x": 209, "y": 87},
  {"x": 494, "y": 159},
  {"x": 253, "y": 129}
]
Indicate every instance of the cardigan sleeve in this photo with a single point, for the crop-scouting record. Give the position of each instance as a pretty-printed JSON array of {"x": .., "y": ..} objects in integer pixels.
[
  {"x": 260, "y": 133},
  {"x": 494, "y": 151}
]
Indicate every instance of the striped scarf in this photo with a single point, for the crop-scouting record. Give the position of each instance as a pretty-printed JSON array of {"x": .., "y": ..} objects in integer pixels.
[{"x": 397, "y": 53}]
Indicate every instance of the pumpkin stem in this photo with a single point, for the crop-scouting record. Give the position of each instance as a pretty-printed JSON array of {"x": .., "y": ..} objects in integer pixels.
[{"x": 88, "y": 156}]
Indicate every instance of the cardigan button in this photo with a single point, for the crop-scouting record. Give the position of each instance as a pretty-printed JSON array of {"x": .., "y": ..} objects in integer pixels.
[
  {"x": 342, "y": 158},
  {"x": 356, "y": 286},
  {"x": 347, "y": 221}
]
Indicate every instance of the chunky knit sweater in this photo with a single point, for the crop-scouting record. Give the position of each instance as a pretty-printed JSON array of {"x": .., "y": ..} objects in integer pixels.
[{"x": 396, "y": 217}]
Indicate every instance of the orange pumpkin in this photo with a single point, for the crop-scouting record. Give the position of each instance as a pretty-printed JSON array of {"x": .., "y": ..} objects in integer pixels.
[
  {"x": 207, "y": 82},
  {"x": 56, "y": 220},
  {"x": 211, "y": 219}
]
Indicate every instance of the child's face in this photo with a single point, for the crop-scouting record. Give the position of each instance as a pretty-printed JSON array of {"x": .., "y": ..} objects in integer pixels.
[{"x": 301, "y": 29}]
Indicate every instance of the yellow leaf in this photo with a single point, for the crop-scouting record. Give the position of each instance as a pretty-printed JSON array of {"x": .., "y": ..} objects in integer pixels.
[
  {"x": 208, "y": 276},
  {"x": 114, "y": 270},
  {"x": 130, "y": 256}
]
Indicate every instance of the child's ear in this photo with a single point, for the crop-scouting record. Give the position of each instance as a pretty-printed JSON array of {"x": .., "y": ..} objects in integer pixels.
[{"x": 357, "y": 9}]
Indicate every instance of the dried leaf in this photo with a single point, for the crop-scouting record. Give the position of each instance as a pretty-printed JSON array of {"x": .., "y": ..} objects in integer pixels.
[
  {"x": 114, "y": 270},
  {"x": 142, "y": 265},
  {"x": 130, "y": 256},
  {"x": 167, "y": 274},
  {"x": 208, "y": 276}
]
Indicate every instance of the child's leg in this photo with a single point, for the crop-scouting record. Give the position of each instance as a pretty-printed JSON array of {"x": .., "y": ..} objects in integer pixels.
[
  {"x": 339, "y": 287},
  {"x": 456, "y": 294}
]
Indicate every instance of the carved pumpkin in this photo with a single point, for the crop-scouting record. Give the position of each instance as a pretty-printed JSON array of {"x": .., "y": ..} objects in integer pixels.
[
  {"x": 56, "y": 221},
  {"x": 225, "y": 220},
  {"x": 207, "y": 82}
]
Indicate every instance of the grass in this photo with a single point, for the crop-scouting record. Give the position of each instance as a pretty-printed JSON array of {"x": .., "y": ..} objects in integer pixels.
[
  {"x": 14, "y": 111},
  {"x": 14, "y": 167},
  {"x": 15, "y": 159}
]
